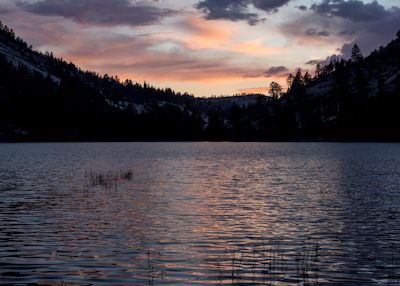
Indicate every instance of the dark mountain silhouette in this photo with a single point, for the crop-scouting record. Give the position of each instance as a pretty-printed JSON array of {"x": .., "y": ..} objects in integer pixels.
[{"x": 44, "y": 98}]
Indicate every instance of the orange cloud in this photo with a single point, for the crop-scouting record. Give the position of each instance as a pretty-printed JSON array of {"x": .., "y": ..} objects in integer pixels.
[
  {"x": 202, "y": 34},
  {"x": 206, "y": 34}
]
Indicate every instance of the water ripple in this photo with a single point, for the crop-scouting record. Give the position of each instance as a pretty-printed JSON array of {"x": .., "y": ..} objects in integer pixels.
[{"x": 200, "y": 214}]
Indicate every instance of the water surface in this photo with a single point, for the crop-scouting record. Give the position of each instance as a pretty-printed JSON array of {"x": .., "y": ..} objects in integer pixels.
[{"x": 200, "y": 214}]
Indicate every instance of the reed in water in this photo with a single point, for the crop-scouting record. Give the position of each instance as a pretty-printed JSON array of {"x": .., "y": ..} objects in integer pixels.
[{"x": 107, "y": 179}]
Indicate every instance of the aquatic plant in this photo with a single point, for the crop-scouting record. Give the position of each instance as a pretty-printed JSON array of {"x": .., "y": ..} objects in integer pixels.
[
  {"x": 154, "y": 271},
  {"x": 107, "y": 179},
  {"x": 270, "y": 264},
  {"x": 392, "y": 277}
]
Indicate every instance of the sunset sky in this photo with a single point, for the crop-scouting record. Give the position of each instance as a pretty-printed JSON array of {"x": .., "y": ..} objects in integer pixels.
[{"x": 204, "y": 47}]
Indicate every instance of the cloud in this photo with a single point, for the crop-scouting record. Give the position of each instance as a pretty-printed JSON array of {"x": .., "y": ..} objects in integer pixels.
[
  {"x": 238, "y": 10},
  {"x": 368, "y": 24},
  {"x": 346, "y": 49},
  {"x": 324, "y": 62},
  {"x": 200, "y": 34},
  {"x": 354, "y": 10},
  {"x": 6, "y": 8},
  {"x": 157, "y": 56},
  {"x": 345, "y": 22},
  {"x": 311, "y": 29},
  {"x": 104, "y": 12},
  {"x": 302, "y": 7},
  {"x": 318, "y": 33},
  {"x": 275, "y": 71},
  {"x": 152, "y": 58},
  {"x": 228, "y": 10},
  {"x": 279, "y": 71},
  {"x": 140, "y": 54},
  {"x": 313, "y": 62},
  {"x": 269, "y": 5}
]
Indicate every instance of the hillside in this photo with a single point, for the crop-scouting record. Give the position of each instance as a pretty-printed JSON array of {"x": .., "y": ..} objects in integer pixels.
[
  {"x": 356, "y": 99},
  {"x": 44, "y": 98}
]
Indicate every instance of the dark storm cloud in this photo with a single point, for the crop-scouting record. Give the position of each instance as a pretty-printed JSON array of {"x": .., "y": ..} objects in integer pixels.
[
  {"x": 238, "y": 10},
  {"x": 354, "y": 10},
  {"x": 104, "y": 12}
]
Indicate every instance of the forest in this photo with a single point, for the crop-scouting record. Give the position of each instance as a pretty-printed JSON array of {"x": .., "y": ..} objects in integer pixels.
[{"x": 45, "y": 98}]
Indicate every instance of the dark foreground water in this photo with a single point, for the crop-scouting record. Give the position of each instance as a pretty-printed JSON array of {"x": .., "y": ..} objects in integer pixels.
[{"x": 200, "y": 213}]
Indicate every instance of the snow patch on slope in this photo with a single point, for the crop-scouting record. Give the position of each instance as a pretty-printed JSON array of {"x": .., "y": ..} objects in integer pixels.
[{"x": 16, "y": 59}]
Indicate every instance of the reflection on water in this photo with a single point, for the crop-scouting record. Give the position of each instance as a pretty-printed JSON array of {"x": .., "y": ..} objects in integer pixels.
[{"x": 200, "y": 213}]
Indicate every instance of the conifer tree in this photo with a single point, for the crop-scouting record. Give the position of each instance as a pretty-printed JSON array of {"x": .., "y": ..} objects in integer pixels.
[
  {"x": 307, "y": 78},
  {"x": 356, "y": 54},
  {"x": 318, "y": 70},
  {"x": 298, "y": 78},
  {"x": 275, "y": 90},
  {"x": 289, "y": 80}
]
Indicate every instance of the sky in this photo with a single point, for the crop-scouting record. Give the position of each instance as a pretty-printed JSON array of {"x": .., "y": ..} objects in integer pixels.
[{"x": 203, "y": 47}]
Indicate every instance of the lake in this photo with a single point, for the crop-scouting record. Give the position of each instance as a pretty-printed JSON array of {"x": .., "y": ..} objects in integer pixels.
[{"x": 200, "y": 214}]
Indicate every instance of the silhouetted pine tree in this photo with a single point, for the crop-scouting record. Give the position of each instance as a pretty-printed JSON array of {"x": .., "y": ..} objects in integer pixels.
[{"x": 356, "y": 54}]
